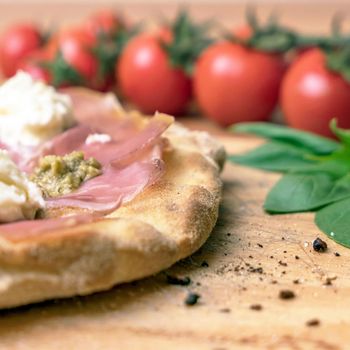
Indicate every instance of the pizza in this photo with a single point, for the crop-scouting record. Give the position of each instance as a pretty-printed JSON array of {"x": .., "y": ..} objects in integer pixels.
[{"x": 95, "y": 195}]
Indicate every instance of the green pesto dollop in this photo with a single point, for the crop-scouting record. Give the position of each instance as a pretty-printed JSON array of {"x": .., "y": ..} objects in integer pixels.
[{"x": 57, "y": 175}]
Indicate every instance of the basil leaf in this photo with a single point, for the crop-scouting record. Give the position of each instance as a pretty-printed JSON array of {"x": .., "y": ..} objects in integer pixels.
[
  {"x": 336, "y": 167},
  {"x": 334, "y": 220},
  {"x": 274, "y": 156},
  {"x": 298, "y": 192},
  {"x": 307, "y": 192},
  {"x": 315, "y": 144},
  {"x": 318, "y": 174}
]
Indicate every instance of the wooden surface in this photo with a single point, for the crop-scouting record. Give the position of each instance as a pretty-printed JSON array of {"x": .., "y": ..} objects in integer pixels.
[{"x": 150, "y": 314}]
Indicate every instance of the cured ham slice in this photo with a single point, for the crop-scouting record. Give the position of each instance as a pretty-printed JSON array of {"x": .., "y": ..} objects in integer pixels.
[
  {"x": 107, "y": 192},
  {"x": 114, "y": 151},
  {"x": 128, "y": 168},
  {"x": 100, "y": 195},
  {"x": 131, "y": 134},
  {"x": 17, "y": 231},
  {"x": 103, "y": 113},
  {"x": 131, "y": 160}
]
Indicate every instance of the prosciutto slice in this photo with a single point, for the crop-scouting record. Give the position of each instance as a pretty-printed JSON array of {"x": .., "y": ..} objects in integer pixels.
[
  {"x": 131, "y": 160},
  {"x": 103, "y": 113},
  {"x": 124, "y": 176},
  {"x": 115, "y": 151},
  {"x": 27, "y": 229},
  {"x": 107, "y": 192}
]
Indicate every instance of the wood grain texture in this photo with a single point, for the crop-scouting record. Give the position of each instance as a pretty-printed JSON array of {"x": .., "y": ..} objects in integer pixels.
[{"x": 151, "y": 314}]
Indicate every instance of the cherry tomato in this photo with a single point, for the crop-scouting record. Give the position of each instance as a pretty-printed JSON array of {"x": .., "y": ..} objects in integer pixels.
[
  {"x": 312, "y": 95},
  {"x": 34, "y": 64},
  {"x": 233, "y": 83},
  {"x": 294, "y": 55},
  {"x": 78, "y": 34},
  {"x": 147, "y": 79},
  {"x": 70, "y": 36},
  {"x": 79, "y": 57},
  {"x": 243, "y": 32},
  {"x": 75, "y": 45},
  {"x": 17, "y": 42},
  {"x": 105, "y": 21}
]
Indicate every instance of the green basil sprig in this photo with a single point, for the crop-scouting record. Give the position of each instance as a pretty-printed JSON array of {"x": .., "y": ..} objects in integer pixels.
[{"x": 316, "y": 174}]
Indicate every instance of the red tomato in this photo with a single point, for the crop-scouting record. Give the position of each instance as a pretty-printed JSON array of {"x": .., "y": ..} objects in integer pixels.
[
  {"x": 78, "y": 34},
  {"x": 73, "y": 35},
  {"x": 311, "y": 95},
  {"x": 79, "y": 58},
  {"x": 33, "y": 64},
  {"x": 17, "y": 42},
  {"x": 294, "y": 55},
  {"x": 75, "y": 45},
  {"x": 243, "y": 32},
  {"x": 147, "y": 79},
  {"x": 105, "y": 21},
  {"x": 235, "y": 84}
]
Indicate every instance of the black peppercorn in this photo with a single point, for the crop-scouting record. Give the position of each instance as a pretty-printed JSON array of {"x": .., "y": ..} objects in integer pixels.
[
  {"x": 181, "y": 281},
  {"x": 319, "y": 245},
  {"x": 192, "y": 299},
  {"x": 286, "y": 294}
]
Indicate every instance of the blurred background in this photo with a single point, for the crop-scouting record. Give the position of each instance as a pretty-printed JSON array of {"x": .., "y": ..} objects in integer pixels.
[
  {"x": 291, "y": 56},
  {"x": 311, "y": 16}
]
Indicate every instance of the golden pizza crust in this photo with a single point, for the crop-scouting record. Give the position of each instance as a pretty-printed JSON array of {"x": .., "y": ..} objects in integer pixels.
[{"x": 165, "y": 223}]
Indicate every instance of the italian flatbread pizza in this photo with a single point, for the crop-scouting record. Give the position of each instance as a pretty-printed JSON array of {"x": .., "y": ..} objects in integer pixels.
[{"x": 124, "y": 196}]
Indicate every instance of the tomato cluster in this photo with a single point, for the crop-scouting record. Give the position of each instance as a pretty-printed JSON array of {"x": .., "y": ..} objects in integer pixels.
[
  {"x": 238, "y": 78},
  {"x": 70, "y": 56}
]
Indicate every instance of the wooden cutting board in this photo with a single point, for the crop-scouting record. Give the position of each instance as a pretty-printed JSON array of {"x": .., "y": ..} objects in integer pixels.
[{"x": 249, "y": 258}]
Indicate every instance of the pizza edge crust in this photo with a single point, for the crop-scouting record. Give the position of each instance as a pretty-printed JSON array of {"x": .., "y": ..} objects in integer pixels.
[{"x": 167, "y": 222}]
